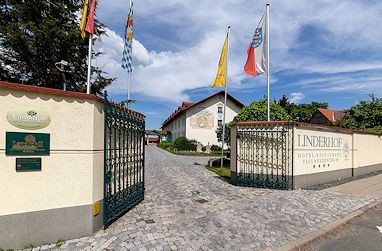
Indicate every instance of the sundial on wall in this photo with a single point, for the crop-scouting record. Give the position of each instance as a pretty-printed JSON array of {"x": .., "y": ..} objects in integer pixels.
[{"x": 202, "y": 120}]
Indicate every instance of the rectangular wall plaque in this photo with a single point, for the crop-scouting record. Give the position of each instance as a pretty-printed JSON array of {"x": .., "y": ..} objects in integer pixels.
[
  {"x": 18, "y": 143},
  {"x": 28, "y": 164},
  {"x": 96, "y": 208}
]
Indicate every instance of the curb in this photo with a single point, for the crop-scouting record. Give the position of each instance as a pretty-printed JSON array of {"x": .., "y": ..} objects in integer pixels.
[{"x": 296, "y": 244}]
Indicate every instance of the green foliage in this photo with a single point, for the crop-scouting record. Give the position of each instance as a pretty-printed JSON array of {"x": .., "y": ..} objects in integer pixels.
[
  {"x": 215, "y": 148},
  {"x": 377, "y": 129},
  {"x": 367, "y": 115},
  {"x": 165, "y": 145},
  {"x": 59, "y": 243},
  {"x": 257, "y": 111},
  {"x": 227, "y": 133},
  {"x": 283, "y": 101},
  {"x": 184, "y": 144},
  {"x": 304, "y": 112},
  {"x": 37, "y": 34},
  {"x": 224, "y": 172},
  {"x": 300, "y": 112}
]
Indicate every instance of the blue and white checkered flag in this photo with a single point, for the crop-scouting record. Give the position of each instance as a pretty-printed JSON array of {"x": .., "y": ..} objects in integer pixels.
[{"x": 127, "y": 55}]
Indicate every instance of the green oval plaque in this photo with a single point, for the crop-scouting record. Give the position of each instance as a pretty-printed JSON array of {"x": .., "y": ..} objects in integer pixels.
[{"x": 28, "y": 118}]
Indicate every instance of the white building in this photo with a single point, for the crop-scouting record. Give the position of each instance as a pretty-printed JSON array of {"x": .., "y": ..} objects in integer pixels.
[{"x": 200, "y": 120}]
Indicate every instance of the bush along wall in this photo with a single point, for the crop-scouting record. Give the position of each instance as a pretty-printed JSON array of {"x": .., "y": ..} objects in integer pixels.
[{"x": 184, "y": 144}]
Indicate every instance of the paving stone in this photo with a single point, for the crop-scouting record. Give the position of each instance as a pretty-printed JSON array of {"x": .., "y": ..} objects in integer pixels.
[
  {"x": 234, "y": 218},
  {"x": 45, "y": 247}
]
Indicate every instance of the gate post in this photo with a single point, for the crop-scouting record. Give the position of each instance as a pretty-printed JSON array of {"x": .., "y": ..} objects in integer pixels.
[
  {"x": 104, "y": 206},
  {"x": 233, "y": 156}
]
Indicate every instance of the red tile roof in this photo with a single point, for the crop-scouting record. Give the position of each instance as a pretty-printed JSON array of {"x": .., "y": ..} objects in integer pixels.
[
  {"x": 161, "y": 132},
  {"x": 187, "y": 105},
  {"x": 154, "y": 140},
  {"x": 331, "y": 115}
]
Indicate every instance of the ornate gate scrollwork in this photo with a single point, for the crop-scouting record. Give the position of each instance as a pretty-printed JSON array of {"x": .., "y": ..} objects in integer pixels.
[
  {"x": 123, "y": 160},
  {"x": 265, "y": 157}
]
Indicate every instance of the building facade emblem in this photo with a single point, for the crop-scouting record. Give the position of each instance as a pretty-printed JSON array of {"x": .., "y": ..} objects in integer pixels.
[
  {"x": 202, "y": 120},
  {"x": 346, "y": 150}
]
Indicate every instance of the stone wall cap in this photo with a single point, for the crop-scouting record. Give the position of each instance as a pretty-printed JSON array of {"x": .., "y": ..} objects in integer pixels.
[
  {"x": 45, "y": 90},
  {"x": 58, "y": 92},
  {"x": 303, "y": 124}
]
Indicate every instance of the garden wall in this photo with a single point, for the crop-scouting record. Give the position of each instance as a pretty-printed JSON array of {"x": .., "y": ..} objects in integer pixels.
[
  {"x": 319, "y": 154},
  {"x": 62, "y": 132}
]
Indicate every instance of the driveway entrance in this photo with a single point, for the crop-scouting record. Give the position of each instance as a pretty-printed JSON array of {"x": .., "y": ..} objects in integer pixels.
[{"x": 186, "y": 207}]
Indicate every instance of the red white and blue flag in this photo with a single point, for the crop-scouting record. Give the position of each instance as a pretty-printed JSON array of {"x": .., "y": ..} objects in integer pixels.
[{"x": 257, "y": 61}]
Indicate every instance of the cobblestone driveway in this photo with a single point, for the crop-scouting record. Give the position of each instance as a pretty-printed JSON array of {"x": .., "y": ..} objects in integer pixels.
[{"x": 234, "y": 218}]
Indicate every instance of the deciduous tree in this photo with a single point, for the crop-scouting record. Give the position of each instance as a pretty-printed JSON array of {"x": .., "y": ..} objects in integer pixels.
[
  {"x": 366, "y": 115},
  {"x": 256, "y": 111},
  {"x": 300, "y": 112}
]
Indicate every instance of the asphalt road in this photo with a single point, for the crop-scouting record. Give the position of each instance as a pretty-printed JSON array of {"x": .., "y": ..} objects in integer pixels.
[{"x": 360, "y": 233}]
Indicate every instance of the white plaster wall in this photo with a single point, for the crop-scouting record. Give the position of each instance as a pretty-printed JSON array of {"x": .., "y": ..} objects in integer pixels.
[
  {"x": 98, "y": 153},
  {"x": 308, "y": 159},
  {"x": 72, "y": 174},
  {"x": 205, "y": 135},
  {"x": 367, "y": 150},
  {"x": 177, "y": 131}
]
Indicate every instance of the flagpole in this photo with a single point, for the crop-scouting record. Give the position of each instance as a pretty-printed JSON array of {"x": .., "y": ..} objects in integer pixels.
[
  {"x": 128, "y": 90},
  {"x": 225, "y": 97},
  {"x": 268, "y": 74},
  {"x": 129, "y": 78},
  {"x": 89, "y": 63}
]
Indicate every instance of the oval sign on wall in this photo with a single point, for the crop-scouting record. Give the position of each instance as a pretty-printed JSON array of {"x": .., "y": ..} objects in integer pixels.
[{"x": 28, "y": 118}]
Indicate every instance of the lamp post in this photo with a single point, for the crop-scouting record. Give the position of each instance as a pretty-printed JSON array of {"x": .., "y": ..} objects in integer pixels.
[{"x": 61, "y": 66}]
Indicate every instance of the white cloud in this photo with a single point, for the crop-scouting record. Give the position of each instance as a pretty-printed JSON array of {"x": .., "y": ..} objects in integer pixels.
[
  {"x": 296, "y": 97},
  {"x": 165, "y": 74},
  {"x": 198, "y": 29}
]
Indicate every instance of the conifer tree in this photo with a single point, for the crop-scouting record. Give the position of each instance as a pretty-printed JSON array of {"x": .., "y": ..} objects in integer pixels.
[{"x": 35, "y": 34}]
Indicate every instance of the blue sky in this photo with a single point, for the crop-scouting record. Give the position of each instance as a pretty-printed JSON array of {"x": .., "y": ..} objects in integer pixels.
[{"x": 322, "y": 50}]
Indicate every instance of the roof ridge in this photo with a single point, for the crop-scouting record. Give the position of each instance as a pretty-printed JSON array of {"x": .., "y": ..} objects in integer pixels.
[{"x": 178, "y": 111}]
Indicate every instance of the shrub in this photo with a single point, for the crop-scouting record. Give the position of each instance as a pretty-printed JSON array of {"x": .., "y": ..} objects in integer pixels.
[
  {"x": 215, "y": 148},
  {"x": 184, "y": 144},
  {"x": 164, "y": 145}
]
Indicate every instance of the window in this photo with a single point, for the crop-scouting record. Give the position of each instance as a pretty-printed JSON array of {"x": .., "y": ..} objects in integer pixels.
[
  {"x": 220, "y": 109},
  {"x": 219, "y": 136},
  {"x": 220, "y": 122}
]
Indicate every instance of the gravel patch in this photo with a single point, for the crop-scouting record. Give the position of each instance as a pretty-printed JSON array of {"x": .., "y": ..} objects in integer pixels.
[{"x": 342, "y": 181}]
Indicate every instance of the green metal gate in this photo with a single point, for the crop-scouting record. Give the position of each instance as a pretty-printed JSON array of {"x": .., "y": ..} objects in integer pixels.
[
  {"x": 123, "y": 160},
  {"x": 265, "y": 157}
]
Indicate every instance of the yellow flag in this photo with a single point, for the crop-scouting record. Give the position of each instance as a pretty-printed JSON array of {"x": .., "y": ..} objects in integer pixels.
[
  {"x": 83, "y": 19},
  {"x": 222, "y": 69}
]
